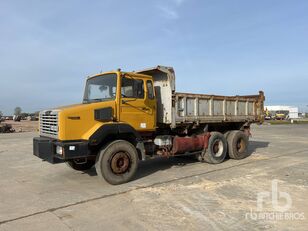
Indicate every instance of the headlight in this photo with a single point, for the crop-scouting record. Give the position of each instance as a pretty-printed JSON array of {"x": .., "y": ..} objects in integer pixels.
[{"x": 59, "y": 150}]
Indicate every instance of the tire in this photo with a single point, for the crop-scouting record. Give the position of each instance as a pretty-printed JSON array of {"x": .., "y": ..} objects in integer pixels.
[
  {"x": 80, "y": 166},
  {"x": 117, "y": 162},
  {"x": 226, "y": 134},
  {"x": 217, "y": 149},
  {"x": 237, "y": 145}
]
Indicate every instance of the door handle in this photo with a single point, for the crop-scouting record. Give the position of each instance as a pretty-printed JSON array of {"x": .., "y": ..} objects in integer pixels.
[{"x": 146, "y": 109}]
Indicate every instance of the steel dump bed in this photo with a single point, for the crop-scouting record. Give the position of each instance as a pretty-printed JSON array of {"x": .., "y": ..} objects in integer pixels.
[
  {"x": 175, "y": 108},
  {"x": 203, "y": 108}
]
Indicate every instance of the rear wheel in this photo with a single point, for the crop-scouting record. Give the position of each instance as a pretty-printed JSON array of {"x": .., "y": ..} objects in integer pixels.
[
  {"x": 217, "y": 149},
  {"x": 226, "y": 134},
  {"x": 117, "y": 163},
  {"x": 237, "y": 145},
  {"x": 80, "y": 164}
]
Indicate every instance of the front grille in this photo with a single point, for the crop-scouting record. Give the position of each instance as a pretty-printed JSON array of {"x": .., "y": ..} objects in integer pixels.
[{"x": 49, "y": 124}]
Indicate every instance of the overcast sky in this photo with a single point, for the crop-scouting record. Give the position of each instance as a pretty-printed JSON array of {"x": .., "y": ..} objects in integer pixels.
[{"x": 228, "y": 47}]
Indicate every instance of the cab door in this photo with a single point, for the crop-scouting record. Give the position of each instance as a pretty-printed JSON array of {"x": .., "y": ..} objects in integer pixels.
[{"x": 137, "y": 103}]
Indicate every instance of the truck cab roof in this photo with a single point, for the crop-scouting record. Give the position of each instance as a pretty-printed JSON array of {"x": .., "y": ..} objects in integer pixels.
[{"x": 122, "y": 72}]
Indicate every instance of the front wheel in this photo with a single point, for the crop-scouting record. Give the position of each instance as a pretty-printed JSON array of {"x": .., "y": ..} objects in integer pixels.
[{"x": 117, "y": 163}]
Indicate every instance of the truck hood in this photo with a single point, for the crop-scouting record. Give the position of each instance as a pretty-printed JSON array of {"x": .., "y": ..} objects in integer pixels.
[
  {"x": 77, "y": 121},
  {"x": 76, "y": 108},
  {"x": 71, "y": 106}
]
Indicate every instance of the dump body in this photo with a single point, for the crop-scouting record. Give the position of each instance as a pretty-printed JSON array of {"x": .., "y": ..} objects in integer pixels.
[
  {"x": 200, "y": 108},
  {"x": 175, "y": 108}
]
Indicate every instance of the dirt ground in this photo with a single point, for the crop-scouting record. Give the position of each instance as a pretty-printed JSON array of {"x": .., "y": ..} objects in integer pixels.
[
  {"x": 23, "y": 125},
  {"x": 266, "y": 191}
]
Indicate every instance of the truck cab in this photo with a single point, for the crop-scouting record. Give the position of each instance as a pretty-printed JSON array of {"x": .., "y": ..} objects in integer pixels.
[{"x": 115, "y": 104}]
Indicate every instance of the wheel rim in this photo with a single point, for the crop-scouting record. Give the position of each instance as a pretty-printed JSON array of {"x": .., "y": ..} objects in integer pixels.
[
  {"x": 240, "y": 145},
  {"x": 120, "y": 163},
  {"x": 218, "y": 148}
]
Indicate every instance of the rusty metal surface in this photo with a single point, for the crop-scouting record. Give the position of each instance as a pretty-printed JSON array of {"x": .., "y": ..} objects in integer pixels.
[
  {"x": 119, "y": 163},
  {"x": 190, "y": 144},
  {"x": 202, "y": 108}
]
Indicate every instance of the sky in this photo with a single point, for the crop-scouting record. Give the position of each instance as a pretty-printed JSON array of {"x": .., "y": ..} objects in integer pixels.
[{"x": 225, "y": 47}]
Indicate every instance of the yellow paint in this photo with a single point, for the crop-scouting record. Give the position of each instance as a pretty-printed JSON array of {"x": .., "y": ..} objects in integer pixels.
[
  {"x": 139, "y": 113},
  {"x": 280, "y": 116}
]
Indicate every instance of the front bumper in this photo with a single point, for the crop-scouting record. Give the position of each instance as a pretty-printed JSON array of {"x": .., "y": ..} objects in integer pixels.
[{"x": 45, "y": 148}]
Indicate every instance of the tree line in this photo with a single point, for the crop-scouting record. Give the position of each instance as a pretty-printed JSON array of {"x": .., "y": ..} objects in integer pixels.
[{"x": 18, "y": 112}]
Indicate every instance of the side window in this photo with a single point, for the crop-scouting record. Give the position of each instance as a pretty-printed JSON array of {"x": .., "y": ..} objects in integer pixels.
[
  {"x": 139, "y": 88},
  {"x": 127, "y": 88},
  {"x": 132, "y": 88},
  {"x": 150, "y": 89}
]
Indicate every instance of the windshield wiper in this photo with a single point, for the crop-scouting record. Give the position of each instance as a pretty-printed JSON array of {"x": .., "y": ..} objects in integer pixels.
[
  {"x": 98, "y": 99},
  {"x": 91, "y": 100}
]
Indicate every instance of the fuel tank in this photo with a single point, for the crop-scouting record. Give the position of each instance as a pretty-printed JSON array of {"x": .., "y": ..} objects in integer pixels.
[{"x": 190, "y": 143}]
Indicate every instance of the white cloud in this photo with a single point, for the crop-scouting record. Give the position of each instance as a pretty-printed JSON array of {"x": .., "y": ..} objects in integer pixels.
[
  {"x": 169, "y": 8},
  {"x": 168, "y": 12}
]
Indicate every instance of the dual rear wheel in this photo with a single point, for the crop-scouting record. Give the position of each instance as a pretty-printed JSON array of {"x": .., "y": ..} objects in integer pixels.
[
  {"x": 234, "y": 143},
  {"x": 237, "y": 145}
]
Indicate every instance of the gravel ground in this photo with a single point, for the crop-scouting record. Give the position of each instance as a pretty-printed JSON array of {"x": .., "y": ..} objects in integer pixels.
[{"x": 167, "y": 194}]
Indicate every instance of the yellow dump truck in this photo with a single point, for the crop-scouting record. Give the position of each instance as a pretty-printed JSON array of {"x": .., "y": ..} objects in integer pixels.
[{"x": 127, "y": 117}]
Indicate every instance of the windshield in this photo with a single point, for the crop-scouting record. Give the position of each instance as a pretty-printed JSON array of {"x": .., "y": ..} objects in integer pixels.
[{"x": 100, "y": 88}]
